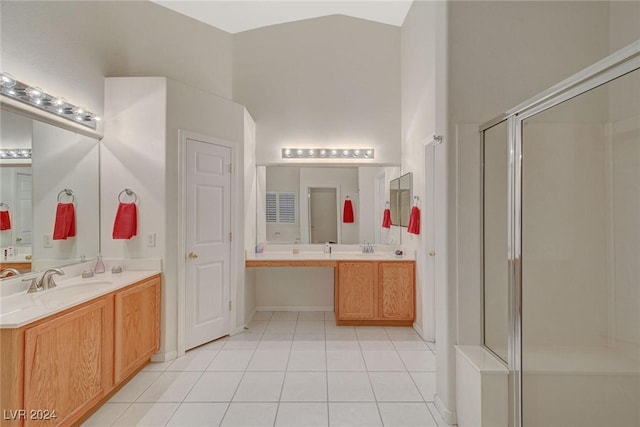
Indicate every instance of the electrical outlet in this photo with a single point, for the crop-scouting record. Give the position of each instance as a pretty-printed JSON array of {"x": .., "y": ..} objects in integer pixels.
[
  {"x": 151, "y": 240},
  {"x": 47, "y": 241}
]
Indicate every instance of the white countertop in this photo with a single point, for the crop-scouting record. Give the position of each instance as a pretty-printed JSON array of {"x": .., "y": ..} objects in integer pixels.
[
  {"x": 15, "y": 258},
  {"x": 19, "y": 309},
  {"x": 288, "y": 255}
]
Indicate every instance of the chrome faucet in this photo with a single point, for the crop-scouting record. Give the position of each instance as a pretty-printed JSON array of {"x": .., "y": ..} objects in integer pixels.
[
  {"x": 367, "y": 248},
  {"x": 47, "y": 278},
  {"x": 9, "y": 271},
  {"x": 46, "y": 282}
]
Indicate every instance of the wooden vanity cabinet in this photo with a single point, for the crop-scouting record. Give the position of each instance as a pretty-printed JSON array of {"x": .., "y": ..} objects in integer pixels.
[
  {"x": 67, "y": 364},
  {"x": 375, "y": 293},
  {"x": 137, "y": 326},
  {"x": 71, "y": 361},
  {"x": 356, "y": 291}
]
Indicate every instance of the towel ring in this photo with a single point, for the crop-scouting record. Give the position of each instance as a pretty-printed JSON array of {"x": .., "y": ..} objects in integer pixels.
[
  {"x": 5, "y": 205},
  {"x": 68, "y": 192},
  {"x": 387, "y": 205},
  {"x": 129, "y": 192},
  {"x": 416, "y": 199}
]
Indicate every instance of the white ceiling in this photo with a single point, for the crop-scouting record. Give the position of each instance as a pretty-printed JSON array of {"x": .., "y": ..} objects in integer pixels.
[{"x": 242, "y": 15}]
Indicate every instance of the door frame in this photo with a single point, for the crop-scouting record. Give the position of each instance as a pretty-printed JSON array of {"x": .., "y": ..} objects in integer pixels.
[
  {"x": 183, "y": 136},
  {"x": 428, "y": 326},
  {"x": 307, "y": 192}
]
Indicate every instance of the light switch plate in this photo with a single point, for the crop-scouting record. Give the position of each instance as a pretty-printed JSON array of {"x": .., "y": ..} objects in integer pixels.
[
  {"x": 47, "y": 241},
  {"x": 151, "y": 240}
]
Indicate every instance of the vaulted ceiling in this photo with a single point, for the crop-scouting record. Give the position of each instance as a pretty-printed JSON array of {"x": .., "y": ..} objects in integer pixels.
[{"x": 240, "y": 15}]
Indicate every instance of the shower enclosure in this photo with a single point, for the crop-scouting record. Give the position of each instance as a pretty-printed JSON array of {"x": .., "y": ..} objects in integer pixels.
[{"x": 561, "y": 248}]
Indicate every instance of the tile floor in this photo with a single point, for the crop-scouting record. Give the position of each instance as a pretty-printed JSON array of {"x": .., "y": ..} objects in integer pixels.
[{"x": 287, "y": 369}]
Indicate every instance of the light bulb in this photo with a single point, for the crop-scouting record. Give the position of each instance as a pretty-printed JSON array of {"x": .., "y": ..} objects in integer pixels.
[
  {"x": 299, "y": 152},
  {"x": 323, "y": 153},
  {"x": 368, "y": 153},
  {"x": 35, "y": 93},
  {"x": 311, "y": 152},
  {"x": 287, "y": 152},
  {"x": 356, "y": 152},
  {"x": 345, "y": 153},
  {"x": 334, "y": 153},
  {"x": 7, "y": 80}
]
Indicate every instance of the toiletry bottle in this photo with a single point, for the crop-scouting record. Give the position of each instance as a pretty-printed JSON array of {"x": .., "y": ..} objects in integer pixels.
[
  {"x": 327, "y": 248},
  {"x": 99, "y": 268}
]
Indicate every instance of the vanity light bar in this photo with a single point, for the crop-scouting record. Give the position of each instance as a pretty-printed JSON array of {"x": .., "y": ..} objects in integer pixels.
[
  {"x": 15, "y": 153},
  {"x": 38, "y": 98},
  {"x": 328, "y": 153}
]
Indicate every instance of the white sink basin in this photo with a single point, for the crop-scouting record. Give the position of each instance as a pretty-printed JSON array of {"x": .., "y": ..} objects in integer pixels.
[
  {"x": 369, "y": 255},
  {"x": 62, "y": 293}
]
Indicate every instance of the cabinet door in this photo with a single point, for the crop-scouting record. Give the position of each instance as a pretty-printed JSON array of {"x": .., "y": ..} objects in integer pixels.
[
  {"x": 137, "y": 326},
  {"x": 397, "y": 290},
  {"x": 66, "y": 365},
  {"x": 357, "y": 293}
]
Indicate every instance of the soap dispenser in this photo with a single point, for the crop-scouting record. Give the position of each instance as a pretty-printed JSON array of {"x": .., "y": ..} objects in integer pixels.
[{"x": 99, "y": 268}]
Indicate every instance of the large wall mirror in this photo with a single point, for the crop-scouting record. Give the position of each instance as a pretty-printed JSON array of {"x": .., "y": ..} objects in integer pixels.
[
  {"x": 305, "y": 204},
  {"x": 30, "y": 190},
  {"x": 400, "y": 194}
]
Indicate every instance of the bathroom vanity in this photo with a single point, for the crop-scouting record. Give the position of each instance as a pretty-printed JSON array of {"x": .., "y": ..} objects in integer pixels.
[
  {"x": 369, "y": 289},
  {"x": 65, "y": 350}
]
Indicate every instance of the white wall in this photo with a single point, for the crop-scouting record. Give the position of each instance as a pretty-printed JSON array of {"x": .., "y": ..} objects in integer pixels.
[
  {"x": 298, "y": 289},
  {"x": 77, "y": 44},
  {"x": 195, "y": 110},
  {"x": 140, "y": 150},
  {"x": 15, "y": 132},
  {"x": 500, "y": 54},
  {"x": 324, "y": 82},
  {"x": 63, "y": 159},
  {"x": 424, "y": 114},
  {"x": 369, "y": 214},
  {"x": 624, "y": 155},
  {"x": 564, "y": 234},
  {"x": 485, "y": 81}
]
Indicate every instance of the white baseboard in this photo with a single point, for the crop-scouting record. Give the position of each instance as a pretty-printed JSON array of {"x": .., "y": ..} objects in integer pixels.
[
  {"x": 293, "y": 308},
  {"x": 164, "y": 357},
  {"x": 238, "y": 330},
  {"x": 418, "y": 329},
  {"x": 248, "y": 319},
  {"x": 448, "y": 416}
]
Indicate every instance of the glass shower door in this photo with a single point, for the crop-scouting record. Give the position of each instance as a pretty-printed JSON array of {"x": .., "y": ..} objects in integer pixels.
[{"x": 580, "y": 271}]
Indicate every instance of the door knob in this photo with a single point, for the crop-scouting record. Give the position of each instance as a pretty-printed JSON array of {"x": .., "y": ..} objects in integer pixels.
[
  {"x": 432, "y": 253},
  {"x": 193, "y": 255},
  {"x": 18, "y": 239}
]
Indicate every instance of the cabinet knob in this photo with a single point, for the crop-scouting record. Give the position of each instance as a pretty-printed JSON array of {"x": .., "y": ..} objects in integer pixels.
[
  {"x": 432, "y": 253},
  {"x": 193, "y": 255}
]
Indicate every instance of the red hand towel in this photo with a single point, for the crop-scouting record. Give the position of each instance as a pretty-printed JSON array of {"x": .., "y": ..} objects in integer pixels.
[
  {"x": 5, "y": 220},
  {"x": 414, "y": 221},
  {"x": 386, "y": 218},
  {"x": 347, "y": 212},
  {"x": 65, "y": 225},
  {"x": 126, "y": 224}
]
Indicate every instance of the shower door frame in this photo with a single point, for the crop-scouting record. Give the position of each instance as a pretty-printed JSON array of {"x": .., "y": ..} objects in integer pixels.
[{"x": 618, "y": 64}]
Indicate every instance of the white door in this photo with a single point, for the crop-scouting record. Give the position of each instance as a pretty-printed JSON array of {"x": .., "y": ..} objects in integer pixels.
[
  {"x": 323, "y": 215},
  {"x": 24, "y": 218},
  {"x": 429, "y": 209},
  {"x": 207, "y": 243}
]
